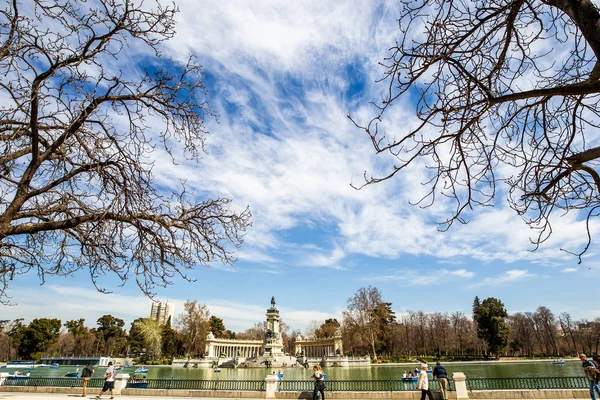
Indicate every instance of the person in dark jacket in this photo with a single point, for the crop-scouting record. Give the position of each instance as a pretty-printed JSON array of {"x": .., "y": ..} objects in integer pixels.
[
  {"x": 86, "y": 374},
  {"x": 440, "y": 373}
]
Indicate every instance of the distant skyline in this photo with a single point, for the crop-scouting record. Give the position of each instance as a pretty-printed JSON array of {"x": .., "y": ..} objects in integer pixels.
[{"x": 282, "y": 77}]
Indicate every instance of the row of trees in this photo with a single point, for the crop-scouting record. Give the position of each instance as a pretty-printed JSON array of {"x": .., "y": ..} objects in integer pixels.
[
  {"x": 147, "y": 339},
  {"x": 368, "y": 326}
]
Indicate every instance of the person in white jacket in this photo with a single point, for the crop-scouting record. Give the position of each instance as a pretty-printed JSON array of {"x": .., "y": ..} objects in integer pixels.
[{"x": 423, "y": 383}]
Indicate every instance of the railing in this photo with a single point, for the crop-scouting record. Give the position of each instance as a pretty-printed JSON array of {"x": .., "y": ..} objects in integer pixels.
[
  {"x": 389, "y": 385},
  {"x": 197, "y": 384},
  {"x": 54, "y": 382},
  {"x": 558, "y": 382}
]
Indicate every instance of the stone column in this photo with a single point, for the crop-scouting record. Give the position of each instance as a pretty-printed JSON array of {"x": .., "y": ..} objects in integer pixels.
[
  {"x": 272, "y": 382},
  {"x": 3, "y": 376},
  {"x": 120, "y": 382},
  {"x": 460, "y": 383}
]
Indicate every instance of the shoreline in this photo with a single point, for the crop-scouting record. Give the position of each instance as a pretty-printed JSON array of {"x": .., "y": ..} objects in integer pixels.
[{"x": 544, "y": 360}]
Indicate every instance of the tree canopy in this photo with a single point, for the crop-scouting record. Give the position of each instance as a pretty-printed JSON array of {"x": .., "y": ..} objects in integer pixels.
[
  {"x": 81, "y": 129},
  {"x": 492, "y": 327},
  {"x": 504, "y": 91}
]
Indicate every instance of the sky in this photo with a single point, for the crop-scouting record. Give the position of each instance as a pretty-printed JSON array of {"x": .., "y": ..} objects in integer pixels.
[{"x": 282, "y": 77}]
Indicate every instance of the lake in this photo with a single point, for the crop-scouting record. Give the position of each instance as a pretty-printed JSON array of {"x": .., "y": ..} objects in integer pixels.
[{"x": 493, "y": 369}]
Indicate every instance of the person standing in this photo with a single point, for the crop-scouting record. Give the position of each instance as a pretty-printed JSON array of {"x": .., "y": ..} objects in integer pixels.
[
  {"x": 319, "y": 378},
  {"x": 440, "y": 373},
  {"x": 86, "y": 375},
  {"x": 109, "y": 381},
  {"x": 590, "y": 371},
  {"x": 423, "y": 383}
]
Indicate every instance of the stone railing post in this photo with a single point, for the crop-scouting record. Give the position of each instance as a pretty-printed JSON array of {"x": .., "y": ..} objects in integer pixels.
[
  {"x": 460, "y": 384},
  {"x": 120, "y": 382},
  {"x": 3, "y": 376},
  {"x": 272, "y": 383}
]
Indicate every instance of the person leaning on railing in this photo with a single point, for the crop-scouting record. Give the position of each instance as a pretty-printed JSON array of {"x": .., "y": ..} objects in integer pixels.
[
  {"x": 440, "y": 373},
  {"x": 591, "y": 372}
]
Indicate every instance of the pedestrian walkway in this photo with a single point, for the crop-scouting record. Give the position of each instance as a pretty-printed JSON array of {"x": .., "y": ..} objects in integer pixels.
[
  {"x": 62, "y": 396},
  {"x": 65, "y": 396}
]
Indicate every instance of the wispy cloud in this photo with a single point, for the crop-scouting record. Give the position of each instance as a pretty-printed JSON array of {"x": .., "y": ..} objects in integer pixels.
[
  {"x": 510, "y": 276},
  {"x": 569, "y": 270},
  {"x": 424, "y": 277},
  {"x": 67, "y": 302}
]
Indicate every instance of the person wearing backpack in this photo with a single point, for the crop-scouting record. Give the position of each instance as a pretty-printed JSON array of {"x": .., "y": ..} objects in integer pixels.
[
  {"x": 86, "y": 374},
  {"x": 319, "y": 377},
  {"x": 590, "y": 371}
]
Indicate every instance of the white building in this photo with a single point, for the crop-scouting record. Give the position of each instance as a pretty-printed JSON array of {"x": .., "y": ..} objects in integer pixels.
[{"x": 161, "y": 312}]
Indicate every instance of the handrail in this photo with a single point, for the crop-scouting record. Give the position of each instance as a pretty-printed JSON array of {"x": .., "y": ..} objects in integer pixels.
[
  {"x": 358, "y": 385},
  {"x": 53, "y": 382},
  {"x": 553, "y": 382}
]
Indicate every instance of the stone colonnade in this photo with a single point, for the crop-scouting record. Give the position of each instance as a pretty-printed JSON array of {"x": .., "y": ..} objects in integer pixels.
[
  {"x": 233, "y": 348},
  {"x": 328, "y": 347}
]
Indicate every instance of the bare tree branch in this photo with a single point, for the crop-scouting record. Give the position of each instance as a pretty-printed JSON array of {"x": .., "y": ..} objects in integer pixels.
[
  {"x": 76, "y": 184},
  {"x": 500, "y": 83}
]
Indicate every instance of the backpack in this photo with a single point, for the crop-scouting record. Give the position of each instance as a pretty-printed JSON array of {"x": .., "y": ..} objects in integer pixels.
[{"x": 86, "y": 373}]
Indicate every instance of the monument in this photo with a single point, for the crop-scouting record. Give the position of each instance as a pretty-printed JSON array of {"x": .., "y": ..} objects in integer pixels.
[{"x": 269, "y": 352}]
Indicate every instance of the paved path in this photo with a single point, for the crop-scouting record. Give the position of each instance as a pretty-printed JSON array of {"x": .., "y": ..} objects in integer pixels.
[
  {"x": 65, "y": 396},
  {"x": 60, "y": 396}
]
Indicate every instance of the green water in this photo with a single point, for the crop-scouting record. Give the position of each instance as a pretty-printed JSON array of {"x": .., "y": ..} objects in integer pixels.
[{"x": 379, "y": 372}]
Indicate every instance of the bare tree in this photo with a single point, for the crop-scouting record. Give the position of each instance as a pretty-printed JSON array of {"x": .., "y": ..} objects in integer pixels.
[
  {"x": 257, "y": 332},
  {"x": 79, "y": 139},
  {"x": 194, "y": 326},
  {"x": 361, "y": 312},
  {"x": 506, "y": 91},
  {"x": 566, "y": 325}
]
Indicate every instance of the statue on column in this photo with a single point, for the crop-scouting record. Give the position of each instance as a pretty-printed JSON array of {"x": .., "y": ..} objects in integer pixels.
[{"x": 273, "y": 301}]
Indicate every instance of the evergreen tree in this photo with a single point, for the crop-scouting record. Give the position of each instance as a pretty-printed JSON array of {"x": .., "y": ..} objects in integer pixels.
[
  {"x": 476, "y": 305},
  {"x": 492, "y": 327},
  {"x": 217, "y": 327},
  {"x": 171, "y": 342}
]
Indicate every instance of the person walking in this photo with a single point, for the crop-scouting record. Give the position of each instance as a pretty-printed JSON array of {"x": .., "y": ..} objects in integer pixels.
[
  {"x": 319, "y": 378},
  {"x": 590, "y": 371},
  {"x": 86, "y": 375},
  {"x": 440, "y": 373},
  {"x": 423, "y": 383},
  {"x": 109, "y": 381}
]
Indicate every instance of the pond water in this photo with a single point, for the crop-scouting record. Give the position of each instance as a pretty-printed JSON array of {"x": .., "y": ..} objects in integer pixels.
[{"x": 376, "y": 372}]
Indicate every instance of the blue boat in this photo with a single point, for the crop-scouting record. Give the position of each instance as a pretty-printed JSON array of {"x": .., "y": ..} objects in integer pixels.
[
  {"x": 141, "y": 370},
  {"x": 410, "y": 379},
  {"x": 54, "y": 365},
  {"x": 137, "y": 385},
  {"x": 559, "y": 362},
  {"x": 71, "y": 375},
  {"x": 18, "y": 377}
]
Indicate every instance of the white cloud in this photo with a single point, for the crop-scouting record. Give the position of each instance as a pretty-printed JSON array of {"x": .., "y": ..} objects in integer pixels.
[
  {"x": 67, "y": 302},
  {"x": 510, "y": 276},
  {"x": 568, "y": 270},
  {"x": 423, "y": 277}
]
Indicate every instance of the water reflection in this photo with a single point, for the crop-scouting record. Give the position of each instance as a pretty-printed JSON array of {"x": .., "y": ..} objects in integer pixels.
[{"x": 379, "y": 372}]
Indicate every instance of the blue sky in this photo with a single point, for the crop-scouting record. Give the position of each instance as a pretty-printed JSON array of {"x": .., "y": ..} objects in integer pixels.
[{"x": 282, "y": 77}]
